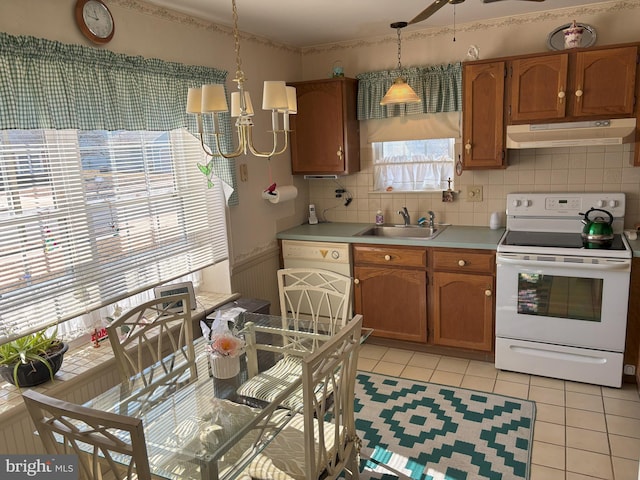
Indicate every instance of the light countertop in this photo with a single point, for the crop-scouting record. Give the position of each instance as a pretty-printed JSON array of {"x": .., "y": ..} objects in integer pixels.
[{"x": 453, "y": 236}]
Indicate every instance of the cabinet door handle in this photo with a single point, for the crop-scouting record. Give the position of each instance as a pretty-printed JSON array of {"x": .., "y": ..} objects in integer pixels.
[
  {"x": 356, "y": 281},
  {"x": 579, "y": 93},
  {"x": 340, "y": 153},
  {"x": 488, "y": 292},
  {"x": 561, "y": 95},
  {"x": 467, "y": 147},
  {"x": 462, "y": 263},
  {"x": 387, "y": 257}
]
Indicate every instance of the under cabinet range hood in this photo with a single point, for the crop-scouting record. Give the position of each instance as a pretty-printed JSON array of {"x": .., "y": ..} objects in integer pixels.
[{"x": 572, "y": 134}]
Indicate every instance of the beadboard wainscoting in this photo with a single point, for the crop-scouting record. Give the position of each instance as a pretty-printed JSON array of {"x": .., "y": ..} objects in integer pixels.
[{"x": 255, "y": 277}]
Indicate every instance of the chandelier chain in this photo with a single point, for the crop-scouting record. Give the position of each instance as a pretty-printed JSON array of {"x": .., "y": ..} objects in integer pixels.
[
  {"x": 236, "y": 38},
  {"x": 399, "y": 50}
]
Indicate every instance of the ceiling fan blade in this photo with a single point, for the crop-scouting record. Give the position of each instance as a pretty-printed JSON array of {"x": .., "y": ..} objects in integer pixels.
[
  {"x": 492, "y": 1},
  {"x": 430, "y": 10}
]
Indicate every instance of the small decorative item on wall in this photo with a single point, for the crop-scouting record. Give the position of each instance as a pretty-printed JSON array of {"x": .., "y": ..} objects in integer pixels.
[
  {"x": 569, "y": 36},
  {"x": 448, "y": 195}
]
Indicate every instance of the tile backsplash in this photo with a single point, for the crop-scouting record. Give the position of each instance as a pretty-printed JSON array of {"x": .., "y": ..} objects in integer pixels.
[{"x": 574, "y": 169}]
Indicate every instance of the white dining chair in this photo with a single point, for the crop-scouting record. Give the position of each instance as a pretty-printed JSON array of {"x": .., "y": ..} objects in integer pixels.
[
  {"x": 314, "y": 299},
  {"x": 153, "y": 343},
  {"x": 322, "y": 441},
  {"x": 108, "y": 445}
]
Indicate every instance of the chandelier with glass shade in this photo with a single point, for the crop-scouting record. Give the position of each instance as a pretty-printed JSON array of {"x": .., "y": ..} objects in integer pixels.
[
  {"x": 400, "y": 91},
  {"x": 277, "y": 97}
]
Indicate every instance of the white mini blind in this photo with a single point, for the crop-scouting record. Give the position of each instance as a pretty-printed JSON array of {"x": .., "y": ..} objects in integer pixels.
[{"x": 90, "y": 217}]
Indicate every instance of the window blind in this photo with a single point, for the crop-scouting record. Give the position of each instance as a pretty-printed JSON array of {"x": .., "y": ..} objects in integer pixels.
[{"x": 90, "y": 217}]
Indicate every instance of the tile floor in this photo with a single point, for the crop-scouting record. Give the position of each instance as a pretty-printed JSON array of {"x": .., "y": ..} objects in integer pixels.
[{"x": 581, "y": 432}]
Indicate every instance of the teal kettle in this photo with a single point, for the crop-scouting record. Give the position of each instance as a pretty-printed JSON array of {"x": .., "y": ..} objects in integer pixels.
[{"x": 597, "y": 229}]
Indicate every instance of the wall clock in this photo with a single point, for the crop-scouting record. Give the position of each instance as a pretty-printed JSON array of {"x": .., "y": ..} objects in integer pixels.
[{"x": 95, "y": 20}]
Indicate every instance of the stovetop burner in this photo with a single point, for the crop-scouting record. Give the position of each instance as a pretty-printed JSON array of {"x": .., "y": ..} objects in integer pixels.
[{"x": 558, "y": 240}]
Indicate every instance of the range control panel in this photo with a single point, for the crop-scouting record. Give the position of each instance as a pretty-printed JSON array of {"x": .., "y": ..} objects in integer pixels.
[{"x": 563, "y": 204}]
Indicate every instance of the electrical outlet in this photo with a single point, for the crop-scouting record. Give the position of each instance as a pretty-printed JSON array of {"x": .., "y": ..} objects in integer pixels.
[
  {"x": 629, "y": 369},
  {"x": 474, "y": 193}
]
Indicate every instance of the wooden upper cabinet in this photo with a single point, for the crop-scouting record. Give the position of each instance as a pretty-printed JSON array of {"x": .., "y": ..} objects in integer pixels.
[
  {"x": 325, "y": 136},
  {"x": 605, "y": 82},
  {"x": 538, "y": 88},
  {"x": 573, "y": 86},
  {"x": 483, "y": 115}
]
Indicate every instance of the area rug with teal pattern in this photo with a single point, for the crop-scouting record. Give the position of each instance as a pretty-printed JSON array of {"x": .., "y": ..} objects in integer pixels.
[{"x": 436, "y": 432}]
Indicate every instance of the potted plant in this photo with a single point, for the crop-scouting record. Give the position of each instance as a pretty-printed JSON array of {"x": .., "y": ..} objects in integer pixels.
[{"x": 32, "y": 359}]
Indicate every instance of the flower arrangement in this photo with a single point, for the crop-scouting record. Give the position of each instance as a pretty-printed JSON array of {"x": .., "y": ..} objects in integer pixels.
[{"x": 225, "y": 345}]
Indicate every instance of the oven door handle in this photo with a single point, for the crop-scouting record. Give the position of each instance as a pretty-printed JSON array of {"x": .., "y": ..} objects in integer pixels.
[{"x": 610, "y": 264}]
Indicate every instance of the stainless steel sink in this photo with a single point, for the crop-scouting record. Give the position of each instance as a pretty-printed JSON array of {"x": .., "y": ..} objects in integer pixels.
[{"x": 401, "y": 231}]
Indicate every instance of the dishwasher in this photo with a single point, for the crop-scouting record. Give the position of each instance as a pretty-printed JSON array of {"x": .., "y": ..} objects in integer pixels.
[{"x": 335, "y": 257}]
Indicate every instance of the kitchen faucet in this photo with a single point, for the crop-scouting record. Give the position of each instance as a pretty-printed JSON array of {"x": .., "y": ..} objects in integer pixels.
[
  {"x": 405, "y": 216},
  {"x": 432, "y": 217}
]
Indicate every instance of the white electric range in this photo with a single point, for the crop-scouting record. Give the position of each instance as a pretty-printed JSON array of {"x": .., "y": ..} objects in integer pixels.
[{"x": 561, "y": 302}]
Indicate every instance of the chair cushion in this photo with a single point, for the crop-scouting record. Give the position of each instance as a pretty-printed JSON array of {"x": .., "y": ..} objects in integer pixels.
[
  {"x": 283, "y": 458},
  {"x": 267, "y": 385}
]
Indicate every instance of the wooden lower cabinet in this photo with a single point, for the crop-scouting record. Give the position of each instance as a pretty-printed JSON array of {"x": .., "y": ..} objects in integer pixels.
[
  {"x": 462, "y": 299},
  {"x": 391, "y": 291}
]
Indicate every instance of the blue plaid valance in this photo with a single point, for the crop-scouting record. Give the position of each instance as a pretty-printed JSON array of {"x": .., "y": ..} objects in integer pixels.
[
  {"x": 438, "y": 86},
  {"x": 46, "y": 84}
]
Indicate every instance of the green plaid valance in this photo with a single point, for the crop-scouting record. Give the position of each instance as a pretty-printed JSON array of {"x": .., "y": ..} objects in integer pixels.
[
  {"x": 46, "y": 84},
  {"x": 438, "y": 86}
]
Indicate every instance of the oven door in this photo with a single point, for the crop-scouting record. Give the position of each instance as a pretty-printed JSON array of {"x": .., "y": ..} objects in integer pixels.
[{"x": 563, "y": 300}]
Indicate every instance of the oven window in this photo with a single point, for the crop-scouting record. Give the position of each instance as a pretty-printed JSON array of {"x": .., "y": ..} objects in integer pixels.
[{"x": 574, "y": 298}]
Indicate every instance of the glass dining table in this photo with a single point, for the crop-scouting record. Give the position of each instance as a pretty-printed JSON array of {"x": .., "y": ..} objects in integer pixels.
[{"x": 203, "y": 429}]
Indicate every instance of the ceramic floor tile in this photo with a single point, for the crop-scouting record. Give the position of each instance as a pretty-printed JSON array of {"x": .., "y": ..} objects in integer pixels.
[
  {"x": 372, "y": 351},
  {"x": 623, "y": 408},
  {"x": 539, "y": 472},
  {"x": 447, "y": 378},
  {"x": 514, "y": 377},
  {"x": 424, "y": 360},
  {"x": 582, "y": 388},
  {"x": 386, "y": 368},
  {"x": 548, "y": 455},
  {"x": 627, "y": 392},
  {"x": 625, "y": 469},
  {"x": 511, "y": 389},
  {"x": 454, "y": 365},
  {"x": 590, "y": 440},
  {"x": 589, "y": 463},
  {"x": 548, "y": 433},
  {"x": 546, "y": 395},
  {"x": 627, "y": 427},
  {"x": 547, "y": 382},
  {"x": 417, "y": 373},
  {"x": 551, "y": 413},
  {"x": 585, "y": 419},
  {"x": 584, "y": 401},
  {"x": 366, "y": 364},
  {"x": 478, "y": 383},
  {"x": 482, "y": 369},
  {"x": 624, "y": 447},
  {"x": 579, "y": 476},
  {"x": 397, "y": 355}
]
